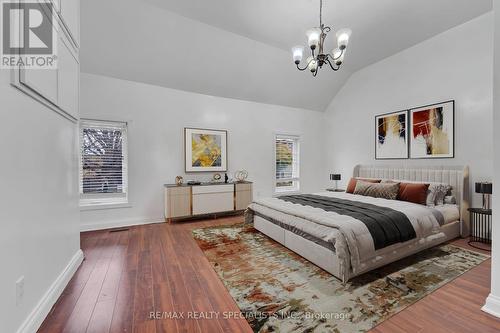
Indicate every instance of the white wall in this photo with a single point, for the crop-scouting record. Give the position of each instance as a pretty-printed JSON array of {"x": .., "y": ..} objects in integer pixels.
[
  {"x": 157, "y": 117},
  {"x": 39, "y": 204},
  {"x": 456, "y": 64},
  {"x": 493, "y": 302}
]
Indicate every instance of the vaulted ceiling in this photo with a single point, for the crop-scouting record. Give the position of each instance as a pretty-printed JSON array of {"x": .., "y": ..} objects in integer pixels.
[{"x": 241, "y": 48}]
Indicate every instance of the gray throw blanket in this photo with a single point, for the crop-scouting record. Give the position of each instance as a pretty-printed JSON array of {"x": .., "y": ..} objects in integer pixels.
[{"x": 386, "y": 226}]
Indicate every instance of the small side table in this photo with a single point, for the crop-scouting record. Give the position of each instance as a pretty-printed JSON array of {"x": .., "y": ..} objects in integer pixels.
[
  {"x": 480, "y": 227},
  {"x": 335, "y": 190}
]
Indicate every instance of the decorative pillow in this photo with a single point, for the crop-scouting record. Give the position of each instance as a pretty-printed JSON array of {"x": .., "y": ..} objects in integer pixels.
[
  {"x": 352, "y": 183},
  {"x": 441, "y": 192},
  {"x": 377, "y": 190},
  {"x": 416, "y": 193},
  {"x": 450, "y": 200},
  {"x": 435, "y": 194}
]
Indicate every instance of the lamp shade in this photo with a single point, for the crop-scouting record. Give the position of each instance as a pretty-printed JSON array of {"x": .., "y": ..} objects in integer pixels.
[
  {"x": 313, "y": 36},
  {"x": 343, "y": 36},
  {"x": 484, "y": 188},
  {"x": 335, "y": 176},
  {"x": 298, "y": 52}
]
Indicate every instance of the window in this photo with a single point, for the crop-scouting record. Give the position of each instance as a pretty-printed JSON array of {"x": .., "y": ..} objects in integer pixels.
[
  {"x": 103, "y": 163},
  {"x": 287, "y": 163}
]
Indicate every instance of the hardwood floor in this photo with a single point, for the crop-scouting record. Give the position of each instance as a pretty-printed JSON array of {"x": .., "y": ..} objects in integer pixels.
[{"x": 126, "y": 275}]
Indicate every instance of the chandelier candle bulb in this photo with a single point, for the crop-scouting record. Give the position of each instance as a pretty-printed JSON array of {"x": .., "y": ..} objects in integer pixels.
[
  {"x": 313, "y": 64},
  {"x": 338, "y": 58},
  {"x": 298, "y": 52},
  {"x": 313, "y": 36},
  {"x": 343, "y": 38}
]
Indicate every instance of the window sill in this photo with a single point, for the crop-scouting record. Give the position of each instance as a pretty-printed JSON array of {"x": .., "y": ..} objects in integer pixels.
[{"x": 101, "y": 206}]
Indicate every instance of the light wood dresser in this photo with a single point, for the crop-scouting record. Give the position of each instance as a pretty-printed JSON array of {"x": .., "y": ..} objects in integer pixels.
[{"x": 185, "y": 201}]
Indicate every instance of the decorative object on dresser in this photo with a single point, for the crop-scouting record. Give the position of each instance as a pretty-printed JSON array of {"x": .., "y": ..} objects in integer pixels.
[
  {"x": 391, "y": 136},
  {"x": 486, "y": 189},
  {"x": 433, "y": 131},
  {"x": 216, "y": 177},
  {"x": 179, "y": 180},
  {"x": 480, "y": 219},
  {"x": 205, "y": 150},
  {"x": 187, "y": 201},
  {"x": 241, "y": 175}
]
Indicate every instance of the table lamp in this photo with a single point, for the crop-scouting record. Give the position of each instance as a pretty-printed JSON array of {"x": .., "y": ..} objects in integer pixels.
[
  {"x": 336, "y": 177},
  {"x": 486, "y": 189}
]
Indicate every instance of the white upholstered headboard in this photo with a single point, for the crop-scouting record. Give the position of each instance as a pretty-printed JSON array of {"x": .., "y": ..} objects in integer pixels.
[{"x": 456, "y": 176}]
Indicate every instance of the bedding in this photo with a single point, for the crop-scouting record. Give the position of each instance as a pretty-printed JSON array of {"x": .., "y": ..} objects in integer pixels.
[
  {"x": 353, "y": 244},
  {"x": 386, "y": 226},
  {"x": 449, "y": 212}
]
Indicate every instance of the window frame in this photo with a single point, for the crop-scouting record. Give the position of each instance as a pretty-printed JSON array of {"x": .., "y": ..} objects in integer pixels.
[
  {"x": 295, "y": 188},
  {"x": 104, "y": 200}
]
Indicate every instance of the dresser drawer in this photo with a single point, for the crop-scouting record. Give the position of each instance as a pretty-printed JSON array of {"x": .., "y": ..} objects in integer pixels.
[
  {"x": 206, "y": 203},
  {"x": 181, "y": 190},
  {"x": 213, "y": 189}
]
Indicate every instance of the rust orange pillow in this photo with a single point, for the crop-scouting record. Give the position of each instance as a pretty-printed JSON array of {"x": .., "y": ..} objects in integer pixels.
[
  {"x": 352, "y": 183},
  {"x": 416, "y": 193}
]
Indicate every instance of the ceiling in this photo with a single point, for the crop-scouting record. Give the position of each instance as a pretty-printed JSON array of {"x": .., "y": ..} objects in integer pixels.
[{"x": 241, "y": 48}]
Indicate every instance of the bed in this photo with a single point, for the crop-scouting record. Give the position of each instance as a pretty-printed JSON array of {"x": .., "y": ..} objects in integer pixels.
[{"x": 340, "y": 241}]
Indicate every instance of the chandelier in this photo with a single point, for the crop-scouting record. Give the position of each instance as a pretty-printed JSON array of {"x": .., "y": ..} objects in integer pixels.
[{"x": 316, "y": 41}]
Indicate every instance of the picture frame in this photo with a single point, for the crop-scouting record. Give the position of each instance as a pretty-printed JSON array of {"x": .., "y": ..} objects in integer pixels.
[
  {"x": 391, "y": 136},
  {"x": 432, "y": 129},
  {"x": 205, "y": 150}
]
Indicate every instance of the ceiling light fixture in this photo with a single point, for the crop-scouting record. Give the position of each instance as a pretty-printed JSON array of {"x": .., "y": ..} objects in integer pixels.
[{"x": 316, "y": 41}]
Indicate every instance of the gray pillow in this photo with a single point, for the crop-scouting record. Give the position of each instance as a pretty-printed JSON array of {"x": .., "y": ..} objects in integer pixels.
[
  {"x": 439, "y": 192},
  {"x": 450, "y": 200},
  {"x": 377, "y": 190}
]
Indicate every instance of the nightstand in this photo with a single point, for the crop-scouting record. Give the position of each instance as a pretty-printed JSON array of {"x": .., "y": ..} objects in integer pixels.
[
  {"x": 480, "y": 232},
  {"x": 335, "y": 190}
]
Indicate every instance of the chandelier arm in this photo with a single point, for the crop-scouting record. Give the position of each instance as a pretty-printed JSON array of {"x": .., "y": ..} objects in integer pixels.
[
  {"x": 316, "y": 72},
  {"x": 329, "y": 63},
  {"x": 303, "y": 69},
  {"x": 341, "y": 54}
]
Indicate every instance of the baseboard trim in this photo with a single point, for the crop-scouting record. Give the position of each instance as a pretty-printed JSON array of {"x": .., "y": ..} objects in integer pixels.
[
  {"x": 42, "y": 309},
  {"x": 492, "y": 305},
  {"x": 119, "y": 224}
]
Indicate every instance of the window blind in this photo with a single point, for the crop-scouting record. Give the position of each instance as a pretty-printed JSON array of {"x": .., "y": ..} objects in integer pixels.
[
  {"x": 287, "y": 163},
  {"x": 103, "y": 163}
]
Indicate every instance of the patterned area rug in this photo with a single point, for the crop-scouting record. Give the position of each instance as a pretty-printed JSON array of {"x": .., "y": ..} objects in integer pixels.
[{"x": 279, "y": 291}]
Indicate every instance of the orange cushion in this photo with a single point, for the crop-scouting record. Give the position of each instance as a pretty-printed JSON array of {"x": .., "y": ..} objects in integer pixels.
[
  {"x": 352, "y": 183},
  {"x": 416, "y": 193}
]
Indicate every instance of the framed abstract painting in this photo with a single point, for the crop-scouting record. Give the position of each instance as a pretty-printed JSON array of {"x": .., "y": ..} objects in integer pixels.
[
  {"x": 391, "y": 135},
  {"x": 205, "y": 150},
  {"x": 433, "y": 131}
]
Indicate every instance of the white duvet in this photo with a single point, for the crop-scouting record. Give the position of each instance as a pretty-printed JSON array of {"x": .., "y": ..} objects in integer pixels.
[{"x": 353, "y": 242}]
